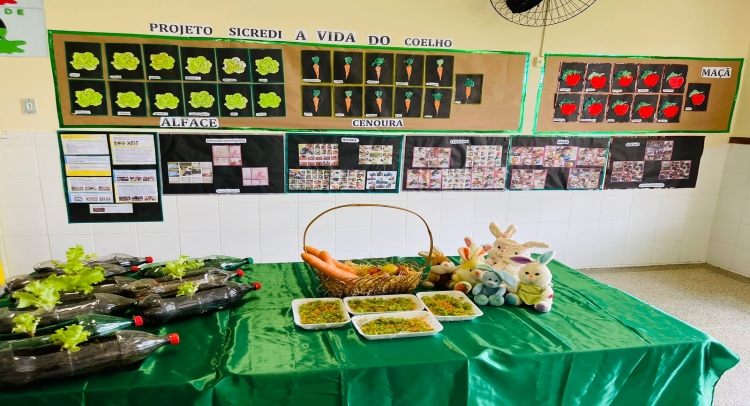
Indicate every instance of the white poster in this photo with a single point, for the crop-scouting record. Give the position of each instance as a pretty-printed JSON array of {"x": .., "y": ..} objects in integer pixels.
[
  {"x": 133, "y": 149},
  {"x": 90, "y": 190},
  {"x": 87, "y": 166},
  {"x": 111, "y": 208},
  {"x": 136, "y": 186},
  {"x": 22, "y": 29},
  {"x": 84, "y": 144}
]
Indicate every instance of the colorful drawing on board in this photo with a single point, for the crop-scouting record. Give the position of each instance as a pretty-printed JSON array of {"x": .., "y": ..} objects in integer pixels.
[
  {"x": 674, "y": 79},
  {"x": 598, "y": 77},
  {"x": 670, "y": 107},
  {"x": 697, "y": 96},
  {"x": 9, "y": 46}
]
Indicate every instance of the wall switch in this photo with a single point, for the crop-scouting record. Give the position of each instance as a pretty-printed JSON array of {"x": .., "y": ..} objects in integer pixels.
[
  {"x": 29, "y": 107},
  {"x": 538, "y": 61}
]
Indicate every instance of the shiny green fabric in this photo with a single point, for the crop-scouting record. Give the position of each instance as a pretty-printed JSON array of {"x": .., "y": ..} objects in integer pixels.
[{"x": 598, "y": 346}]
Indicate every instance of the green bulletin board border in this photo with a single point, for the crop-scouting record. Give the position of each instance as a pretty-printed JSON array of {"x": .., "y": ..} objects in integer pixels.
[
  {"x": 541, "y": 86},
  {"x": 340, "y": 134},
  {"x": 50, "y": 34},
  {"x": 157, "y": 169}
]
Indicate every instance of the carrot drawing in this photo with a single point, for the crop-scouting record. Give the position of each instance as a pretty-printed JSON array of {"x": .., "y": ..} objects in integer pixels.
[
  {"x": 316, "y": 67},
  {"x": 437, "y": 97},
  {"x": 408, "y": 68},
  {"x": 379, "y": 100},
  {"x": 440, "y": 69},
  {"x": 468, "y": 84},
  {"x": 348, "y": 99},
  {"x": 347, "y": 67},
  {"x": 376, "y": 63},
  {"x": 316, "y": 99},
  {"x": 407, "y": 102}
]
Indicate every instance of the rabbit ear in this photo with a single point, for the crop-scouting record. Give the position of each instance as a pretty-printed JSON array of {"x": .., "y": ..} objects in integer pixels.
[
  {"x": 536, "y": 244},
  {"x": 507, "y": 241},
  {"x": 423, "y": 254},
  {"x": 477, "y": 252},
  {"x": 521, "y": 260},
  {"x": 512, "y": 229},
  {"x": 485, "y": 267},
  {"x": 487, "y": 248},
  {"x": 495, "y": 230},
  {"x": 464, "y": 253},
  {"x": 437, "y": 251},
  {"x": 545, "y": 258},
  {"x": 511, "y": 281},
  {"x": 469, "y": 242}
]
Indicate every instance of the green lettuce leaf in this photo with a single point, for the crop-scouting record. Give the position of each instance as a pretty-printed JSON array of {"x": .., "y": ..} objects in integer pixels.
[
  {"x": 84, "y": 60},
  {"x": 266, "y": 65},
  {"x": 187, "y": 289},
  {"x": 69, "y": 337},
  {"x": 199, "y": 65},
  {"x": 167, "y": 101},
  {"x": 125, "y": 60},
  {"x": 235, "y": 101},
  {"x": 162, "y": 61},
  {"x": 201, "y": 99},
  {"x": 176, "y": 269},
  {"x": 234, "y": 65},
  {"x": 26, "y": 323},
  {"x": 88, "y": 97},
  {"x": 128, "y": 100},
  {"x": 270, "y": 99},
  {"x": 38, "y": 294}
]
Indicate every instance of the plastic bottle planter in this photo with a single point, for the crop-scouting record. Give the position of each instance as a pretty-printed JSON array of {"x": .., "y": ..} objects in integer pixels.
[
  {"x": 97, "y": 325},
  {"x": 160, "y": 310},
  {"x": 214, "y": 278},
  {"x": 225, "y": 263}
]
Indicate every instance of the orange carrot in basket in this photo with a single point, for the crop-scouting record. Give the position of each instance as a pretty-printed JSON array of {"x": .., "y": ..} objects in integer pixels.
[
  {"x": 326, "y": 268},
  {"x": 326, "y": 257},
  {"x": 314, "y": 251}
]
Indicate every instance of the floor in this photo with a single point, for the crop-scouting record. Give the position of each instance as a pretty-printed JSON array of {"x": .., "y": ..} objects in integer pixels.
[{"x": 709, "y": 298}]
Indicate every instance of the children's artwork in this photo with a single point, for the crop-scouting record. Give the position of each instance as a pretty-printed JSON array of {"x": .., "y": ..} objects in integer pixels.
[
  {"x": 560, "y": 156},
  {"x": 222, "y": 163},
  {"x": 529, "y": 156},
  {"x": 697, "y": 97},
  {"x": 654, "y": 162},
  {"x": 528, "y": 179},
  {"x": 581, "y": 178},
  {"x": 455, "y": 163},
  {"x": 318, "y": 154},
  {"x": 376, "y": 154},
  {"x": 469, "y": 89},
  {"x": 382, "y": 179},
  {"x": 592, "y": 157}
]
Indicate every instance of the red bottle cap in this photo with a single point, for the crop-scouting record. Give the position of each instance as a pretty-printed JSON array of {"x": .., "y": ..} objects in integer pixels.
[
  {"x": 240, "y": 273},
  {"x": 134, "y": 268},
  {"x": 257, "y": 285},
  {"x": 138, "y": 321},
  {"x": 174, "y": 339},
  {"x": 149, "y": 259}
]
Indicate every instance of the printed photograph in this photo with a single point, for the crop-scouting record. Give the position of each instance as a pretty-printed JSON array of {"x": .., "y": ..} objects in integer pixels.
[
  {"x": 527, "y": 156},
  {"x": 227, "y": 155},
  {"x": 431, "y": 157},
  {"x": 592, "y": 157},
  {"x": 376, "y": 154},
  {"x": 556, "y": 156},
  {"x": 309, "y": 179},
  {"x": 580, "y": 178},
  {"x": 381, "y": 179},
  {"x": 627, "y": 171},
  {"x": 528, "y": 179},
  {"x": 345, "y": 179},
  {"x": 318, "y": 154},
  {"x": 659, "y": 150},
  {"x": 484, "y": 155},
  {"x": 456, "y": 179},
  {"x": 674, "y": 170},
  {"x": 183, "y": 172},
  {"x": 254, "y": 176}
]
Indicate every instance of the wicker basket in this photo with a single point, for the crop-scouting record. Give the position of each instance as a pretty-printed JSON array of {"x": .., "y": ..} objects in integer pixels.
[{"x": 373, "y": 284}]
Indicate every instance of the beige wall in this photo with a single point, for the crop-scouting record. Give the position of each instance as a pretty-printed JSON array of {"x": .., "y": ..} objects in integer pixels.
[{"x": 639, "y": 27}]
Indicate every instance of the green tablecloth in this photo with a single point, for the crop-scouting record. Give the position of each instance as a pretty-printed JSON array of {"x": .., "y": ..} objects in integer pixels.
[{"x": 598, "y": 346}]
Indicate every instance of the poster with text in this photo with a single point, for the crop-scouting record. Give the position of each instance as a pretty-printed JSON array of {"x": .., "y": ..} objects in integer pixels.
[
  {"x": 343, "y": 163},
  {"x": 654, "y": 162},
  {"x": 22, "y": 29},
  {"x": 454, "y": 162},
  {"x": 554, "y": 163},
  {"x": 222, "y": 163}
]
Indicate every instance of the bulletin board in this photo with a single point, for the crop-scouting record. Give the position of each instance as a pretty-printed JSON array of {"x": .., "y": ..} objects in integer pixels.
[
  {"x": 122, "y": 80},
  {"x": 222, "y": 163},
  {"x": 325, "y": 163},
  {"x": 654, "y": 162},
  {"x": 631, "y": 94},
  {"x": 454, "y": 162},
  {"x": 554, "y": 163},
  {"x": 110, "y": 176}
]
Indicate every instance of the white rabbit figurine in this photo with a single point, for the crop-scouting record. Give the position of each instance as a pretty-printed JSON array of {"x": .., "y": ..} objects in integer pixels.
[
  {"x": 505, "y": 248},
  {"x": 535, "y": 284}
]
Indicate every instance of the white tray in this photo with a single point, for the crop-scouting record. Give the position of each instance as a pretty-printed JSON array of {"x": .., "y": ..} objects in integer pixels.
[
  {"x": 428, "y": 317},
  {"x": 456, "y": 294},
  {"x": 418, "y": 303},
  {"x": 296, "y": 303}
]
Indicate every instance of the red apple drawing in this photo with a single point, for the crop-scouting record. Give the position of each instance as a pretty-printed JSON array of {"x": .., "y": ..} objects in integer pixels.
[
  {"x": 669, "y": 109},
  {"x": 697, "y": 97},
  {"x": 624, "y": 78},
  {"x": 567, "y": 107},
  {"x": 593, "y": 107},
  {"x": 597, "y": 80},
  {"x": 645, "y": 110},
  {"x": 675, "y": 80},
  {"x": 650, "y": 78},
  {"x": 571, "y": 77},
  {"x": 620, "y": 108}
]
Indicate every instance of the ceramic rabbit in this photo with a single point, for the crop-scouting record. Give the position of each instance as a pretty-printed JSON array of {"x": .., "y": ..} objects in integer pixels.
[
  {"x": 491, "y": 289},
  {"x": 535, "y": 284},
  {"x": 441, "y": 269},
  {"x": 471, "y": 267},
  {"x": 506, "y": 247}
]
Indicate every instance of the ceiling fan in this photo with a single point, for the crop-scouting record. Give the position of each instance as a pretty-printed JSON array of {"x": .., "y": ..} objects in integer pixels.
[{"x": 540, "y": 13}]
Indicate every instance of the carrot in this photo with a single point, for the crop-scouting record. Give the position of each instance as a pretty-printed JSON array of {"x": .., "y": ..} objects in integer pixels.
[
  {"x": 347, "y": 67},
  {"x": 376, "y": 63},
  {"x": 377, "y": 71},
  {"x": 437, "y": 97},
  {"x": 407, "y": 102},
  {"x": 326, "y": 257},
  {"x": 316, "y": 99},
  {"x": 348, "y": 100},
  {"x": 314, "y": 251},
  {"x": 316, "y": 67},
  {"x": 379, "y": 100},
  {"x": 408, "y": 68},
  {"x": 440, "y": 69},
  {"x": 326, "y": 268},
  {"x": 468, "y": 84}
]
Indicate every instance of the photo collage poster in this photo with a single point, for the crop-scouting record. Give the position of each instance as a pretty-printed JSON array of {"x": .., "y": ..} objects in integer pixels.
[
  {"x": 343, "y": 163},
  {"x": 654, "y": 162},
  {"x": 222, "y": 163},
  {"x": 557, "y": 163},
  {"x": 453, "y": 162},
  {"x": 110, "y": 176}
]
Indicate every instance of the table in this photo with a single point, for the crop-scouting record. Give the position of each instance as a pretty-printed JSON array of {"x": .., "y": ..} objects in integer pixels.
[{"x": 598, "y": 346}]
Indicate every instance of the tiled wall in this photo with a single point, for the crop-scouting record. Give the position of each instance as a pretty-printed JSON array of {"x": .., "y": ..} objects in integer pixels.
[
  {"x": 588, "y": 228},
  {"x": 730, "y": 237}
]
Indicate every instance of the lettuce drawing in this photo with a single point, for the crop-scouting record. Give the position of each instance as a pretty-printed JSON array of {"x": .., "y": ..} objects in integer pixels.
[
  {"x": 84, "y": 60},
  {"x": 270, "y": 99},
  {"x": 128, "y": 100},
  {"x": 125, "y": 60},
  {"x": 199, "y": 65},
  {"x": 201, "y": 99},
  {"x": 266, "y": 65},
  {"x": 167, "y": 101},
  {"x": 234, "y": 65},
  {"x": 88, "y": 97},
  {"x": 162, "y": 61},
  {"x": 235, "y": 101}
]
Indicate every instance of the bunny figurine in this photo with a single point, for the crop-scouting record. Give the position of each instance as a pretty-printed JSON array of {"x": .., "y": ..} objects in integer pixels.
[
  {"x": 505, "y": 248},
  {"x": 491, "y": 289},
  {"x": 441, "y": 269},
  {"x": 471, "y": 267},
  {"x": 535, "y": 284}
]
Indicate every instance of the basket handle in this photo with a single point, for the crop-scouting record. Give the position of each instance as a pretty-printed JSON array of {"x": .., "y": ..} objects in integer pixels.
[{"x": 429, "y": 232}]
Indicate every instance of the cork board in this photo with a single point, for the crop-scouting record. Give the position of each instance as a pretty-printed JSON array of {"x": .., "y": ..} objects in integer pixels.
[
  {"x": 317, "y": 90},
  {"x": 620, "y": 94}
]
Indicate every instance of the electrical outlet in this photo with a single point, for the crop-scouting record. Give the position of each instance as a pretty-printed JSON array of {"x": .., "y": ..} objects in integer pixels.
[
  {"x": 28, "y": 106},
  {"x": 538, "y": 62}
]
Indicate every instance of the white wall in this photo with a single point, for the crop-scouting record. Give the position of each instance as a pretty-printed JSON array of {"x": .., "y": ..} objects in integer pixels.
[{"x": 586, "y": 228}]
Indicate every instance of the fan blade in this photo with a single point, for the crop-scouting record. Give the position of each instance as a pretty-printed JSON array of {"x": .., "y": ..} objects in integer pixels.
[{"x": 521, "y": 6}]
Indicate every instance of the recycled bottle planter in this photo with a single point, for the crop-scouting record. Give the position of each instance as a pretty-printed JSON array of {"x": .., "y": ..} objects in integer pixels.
[
  {"x": 160, "y": 310},
  {"x": 213, "y": 279},
  {"x": 97, "y": 325},
  {"x": 114, "y": 285},
  {"x": 156, "y": 270},
  {"x": 48, "y": 267},
  {"x": 20, "y": 282}
]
